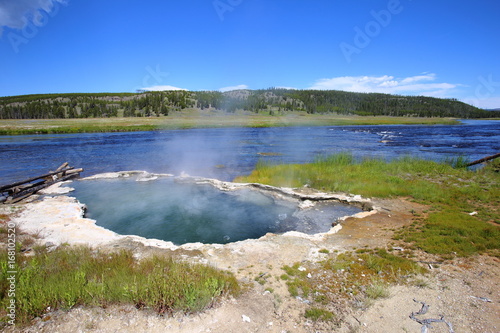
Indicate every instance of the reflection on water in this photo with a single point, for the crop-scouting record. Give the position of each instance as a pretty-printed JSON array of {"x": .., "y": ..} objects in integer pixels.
[{"x": 185, "y": 212}]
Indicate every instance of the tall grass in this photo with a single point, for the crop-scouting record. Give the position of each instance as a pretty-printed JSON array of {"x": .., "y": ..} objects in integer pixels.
[
  {"x": 450, "y": 189},
  {"x": 70, "y": 277}
]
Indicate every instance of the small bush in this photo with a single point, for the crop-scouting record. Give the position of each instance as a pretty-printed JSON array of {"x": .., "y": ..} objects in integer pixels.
[
  {"x": 377, "y": 290},
  {"x": 319, "y": 314}
]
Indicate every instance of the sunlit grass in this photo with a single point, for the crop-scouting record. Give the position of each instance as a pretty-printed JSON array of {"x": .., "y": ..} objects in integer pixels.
[
  {"x": 79, "y": 276},
  {"x": 198, "y": 119},
  {"x": 452, "y": 192}
]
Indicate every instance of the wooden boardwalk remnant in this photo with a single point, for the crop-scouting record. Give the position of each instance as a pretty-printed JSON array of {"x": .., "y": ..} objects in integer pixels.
[{"x": 20, "y": 190}]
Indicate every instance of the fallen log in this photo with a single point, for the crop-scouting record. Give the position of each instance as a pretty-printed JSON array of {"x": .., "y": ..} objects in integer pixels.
[
  {"x": 20, "y": 190},
  {"x": 487, "y": 158},
  {"x": 73, "y": 171},
  {"x": 63, "y": 166},
  {"x": 32, "y": 190},
  {"x": 6, "y": 187}
]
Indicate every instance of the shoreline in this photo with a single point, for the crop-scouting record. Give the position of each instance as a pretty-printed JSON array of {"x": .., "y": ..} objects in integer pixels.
[
  {"x": 449, "y": 287},
  {"x": 191, "y": 120}
]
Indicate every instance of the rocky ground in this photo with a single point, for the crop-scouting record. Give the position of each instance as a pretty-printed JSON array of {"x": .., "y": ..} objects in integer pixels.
[{"x": 464, "y": 291}]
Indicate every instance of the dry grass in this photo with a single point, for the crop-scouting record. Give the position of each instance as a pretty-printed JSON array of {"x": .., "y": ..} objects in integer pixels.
[{"x": 198, "y": 119}]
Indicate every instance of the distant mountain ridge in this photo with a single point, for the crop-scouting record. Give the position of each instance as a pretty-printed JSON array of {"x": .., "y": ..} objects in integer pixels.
[{"x": 273, "y": 101}]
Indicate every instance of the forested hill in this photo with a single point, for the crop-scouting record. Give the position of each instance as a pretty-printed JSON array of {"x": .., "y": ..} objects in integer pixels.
[{"x": 272, "y": 101}]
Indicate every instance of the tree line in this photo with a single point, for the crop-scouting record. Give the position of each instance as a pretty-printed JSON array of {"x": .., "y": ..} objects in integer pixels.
[{"x": 272, "y": 101}]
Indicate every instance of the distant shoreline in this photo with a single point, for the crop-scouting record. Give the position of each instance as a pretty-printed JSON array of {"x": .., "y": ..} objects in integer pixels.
[{"x": 188, "y": 120}]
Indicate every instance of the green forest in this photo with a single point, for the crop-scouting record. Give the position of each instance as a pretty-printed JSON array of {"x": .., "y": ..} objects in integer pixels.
[{"x": 272, "y": 101}]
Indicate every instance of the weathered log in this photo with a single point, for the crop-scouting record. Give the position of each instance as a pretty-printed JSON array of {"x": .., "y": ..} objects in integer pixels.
[
  {"x": 32, "y": 190},
  {"x": 21, "y": 190},
  {"x": 487, "y": 158},
  {"x": 73, "y": 171},
  {"x": 6, "y": 187},
  {"x": 63, "y": 166}
]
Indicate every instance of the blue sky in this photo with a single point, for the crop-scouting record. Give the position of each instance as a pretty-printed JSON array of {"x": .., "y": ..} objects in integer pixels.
[{"x": 409, "y": 47}]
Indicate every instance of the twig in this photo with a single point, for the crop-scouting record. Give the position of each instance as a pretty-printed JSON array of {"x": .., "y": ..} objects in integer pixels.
[
  {"x": 484, "y": 299},
  {"x": 357, "y": 320}
]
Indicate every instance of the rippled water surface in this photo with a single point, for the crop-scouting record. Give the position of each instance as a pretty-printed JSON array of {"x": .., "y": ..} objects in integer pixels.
[{"x": 228, "y": 152}]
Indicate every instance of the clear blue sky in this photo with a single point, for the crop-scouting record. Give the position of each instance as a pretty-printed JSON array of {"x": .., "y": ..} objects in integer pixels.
[{"x": 439, "y": 48}]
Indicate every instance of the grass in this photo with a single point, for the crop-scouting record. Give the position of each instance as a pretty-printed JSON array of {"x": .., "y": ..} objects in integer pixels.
[
  {"x": 80, "y": 276},
  {"x": 377, "y": 290},
  {"x": 197, "y": 119},
  {"x": 451, "y": 192},
  {"x": 319, "y": 314}
]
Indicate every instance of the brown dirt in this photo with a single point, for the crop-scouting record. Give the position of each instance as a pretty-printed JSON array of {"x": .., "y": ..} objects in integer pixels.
[{"x": 452, "y": 289}]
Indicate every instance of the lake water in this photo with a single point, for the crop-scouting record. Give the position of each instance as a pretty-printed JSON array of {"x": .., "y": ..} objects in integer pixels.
[{"x": 229, "y": 152}]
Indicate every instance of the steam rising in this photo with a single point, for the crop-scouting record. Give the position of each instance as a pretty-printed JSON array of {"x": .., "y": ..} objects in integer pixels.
[{"x": 182, "y": 212}]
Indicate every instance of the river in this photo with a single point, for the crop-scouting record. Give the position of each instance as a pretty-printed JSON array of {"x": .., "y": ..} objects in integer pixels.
[{"x": 225, "y": 153}]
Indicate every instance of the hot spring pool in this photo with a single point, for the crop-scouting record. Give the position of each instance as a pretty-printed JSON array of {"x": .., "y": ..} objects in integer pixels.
[{"x": 187, "y": 212}]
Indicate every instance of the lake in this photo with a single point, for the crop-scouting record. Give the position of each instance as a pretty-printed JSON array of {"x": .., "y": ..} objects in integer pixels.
[{"x": 225, "y": 153}]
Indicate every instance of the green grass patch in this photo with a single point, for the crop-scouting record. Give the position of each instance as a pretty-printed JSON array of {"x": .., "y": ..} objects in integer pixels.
[
  {"x": 70, "y": 277},
  {"x": 451, "y": 232},
  {"x": 319, "y": 314},
  {"x": 450, "y": 189},
  {"x": 297, "y": 281}
]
